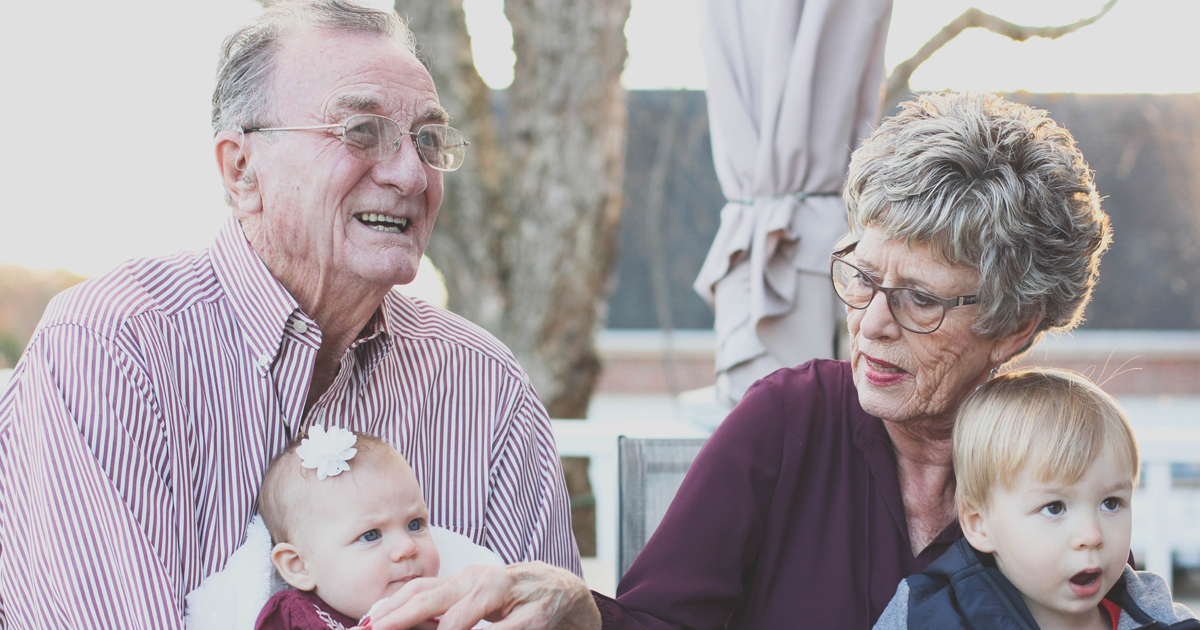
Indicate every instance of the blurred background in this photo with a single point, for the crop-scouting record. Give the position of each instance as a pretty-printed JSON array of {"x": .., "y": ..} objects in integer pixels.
[{"x": 108, "y": 157}]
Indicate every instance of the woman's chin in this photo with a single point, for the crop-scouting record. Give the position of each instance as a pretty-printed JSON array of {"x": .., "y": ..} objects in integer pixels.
[{"x": 884, "y": 402}]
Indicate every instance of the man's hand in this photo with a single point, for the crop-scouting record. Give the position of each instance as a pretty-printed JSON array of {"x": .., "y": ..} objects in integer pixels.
[{"x": 526, "y": 596}]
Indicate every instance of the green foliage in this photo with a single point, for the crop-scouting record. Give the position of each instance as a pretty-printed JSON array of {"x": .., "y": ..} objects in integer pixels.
[{"x": 24, "y": 294}]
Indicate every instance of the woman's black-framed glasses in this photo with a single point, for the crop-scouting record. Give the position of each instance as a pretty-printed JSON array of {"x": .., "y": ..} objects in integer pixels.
[
  {"x": 915, "y": 310},
  {"x": 377, "y": 138}
]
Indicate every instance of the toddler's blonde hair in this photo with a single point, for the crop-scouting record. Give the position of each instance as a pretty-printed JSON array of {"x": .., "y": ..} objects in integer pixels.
[{"x": 1052, "y": 423}]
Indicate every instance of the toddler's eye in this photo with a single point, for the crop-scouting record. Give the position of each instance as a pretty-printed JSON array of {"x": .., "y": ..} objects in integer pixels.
[
  {"x": 370, "y": 536},
  {"x": 1053, "y": 509},
  {"x": 414, "y": 525},
  {"x": 1111, "y": 504}
]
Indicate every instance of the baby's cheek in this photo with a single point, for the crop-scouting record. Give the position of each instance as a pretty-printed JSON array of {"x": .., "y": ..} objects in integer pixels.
[{"x": 434, "y": 567}]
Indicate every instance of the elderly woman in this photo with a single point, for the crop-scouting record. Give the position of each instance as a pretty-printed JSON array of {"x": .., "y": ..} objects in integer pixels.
[{"x": 975, "y": 228}]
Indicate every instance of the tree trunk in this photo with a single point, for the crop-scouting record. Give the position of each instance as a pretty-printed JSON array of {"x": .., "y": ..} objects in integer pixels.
[{"x": 527, "y": 232}]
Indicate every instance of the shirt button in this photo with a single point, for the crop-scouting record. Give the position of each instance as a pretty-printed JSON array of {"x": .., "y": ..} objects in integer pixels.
[
  {"x": 300, "y": 327},
  {"x": 264, "y": 360}
]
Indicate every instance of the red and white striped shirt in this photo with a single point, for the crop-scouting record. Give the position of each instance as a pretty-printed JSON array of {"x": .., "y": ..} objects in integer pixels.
[{"x": 138, "y": 425}]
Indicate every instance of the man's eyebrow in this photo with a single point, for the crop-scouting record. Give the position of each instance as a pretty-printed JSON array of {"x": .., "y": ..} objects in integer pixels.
[
  {"x": 438, "y": 114},
  {"x": 358, "y": 102},
  {"x": 369, "y": 102}
]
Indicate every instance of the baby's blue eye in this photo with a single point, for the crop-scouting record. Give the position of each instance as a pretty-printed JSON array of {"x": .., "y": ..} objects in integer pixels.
[
  {"x": 1053, "y": 509},
  {"x": 1111, "y": 504},
  {"x": 370, "y": 536},
  {"x": 414, "y": 525}
]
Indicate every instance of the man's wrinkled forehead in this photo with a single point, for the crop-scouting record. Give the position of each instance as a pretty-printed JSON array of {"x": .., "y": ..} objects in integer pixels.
[{"x": 344, "y": 73}]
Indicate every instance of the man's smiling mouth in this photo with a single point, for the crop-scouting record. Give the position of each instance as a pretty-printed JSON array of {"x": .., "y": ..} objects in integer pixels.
[{"x": 382, "y": 222}]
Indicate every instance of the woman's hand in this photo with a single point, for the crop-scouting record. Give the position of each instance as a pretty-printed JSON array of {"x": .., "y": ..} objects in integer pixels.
[{"x": 525, "y": 596}]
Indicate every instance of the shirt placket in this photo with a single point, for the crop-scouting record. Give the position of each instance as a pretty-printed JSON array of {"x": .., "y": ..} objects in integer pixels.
[{"x": 292, "y": 369}]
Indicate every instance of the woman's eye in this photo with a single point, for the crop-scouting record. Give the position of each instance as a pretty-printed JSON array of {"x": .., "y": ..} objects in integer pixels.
[
  {"x": 414, "y": 525},
  {"x": 1053, "y": 509},
  {"x": 921, "y": 300},
  {"x": 1111, "y": 504},
  {"x": 370, "y": 536}
]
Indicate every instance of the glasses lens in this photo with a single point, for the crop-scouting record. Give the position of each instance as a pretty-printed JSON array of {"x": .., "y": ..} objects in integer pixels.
[
  {"x": 441, "y": 146},
  {"x": 916, "y": 310},
  {"x": 371, "y": 138},
  {"x": 851, "y": 285}
]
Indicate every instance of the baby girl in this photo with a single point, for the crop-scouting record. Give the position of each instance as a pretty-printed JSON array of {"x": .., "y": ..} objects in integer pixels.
[{"x": 349, "y": 528}]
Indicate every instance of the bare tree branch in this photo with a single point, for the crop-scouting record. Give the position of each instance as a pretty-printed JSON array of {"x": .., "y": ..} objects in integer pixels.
[{"x": 897, "y": 83}]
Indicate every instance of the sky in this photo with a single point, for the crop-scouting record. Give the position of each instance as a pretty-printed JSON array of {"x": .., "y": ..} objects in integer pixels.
[{"x": 109, "y": 150}]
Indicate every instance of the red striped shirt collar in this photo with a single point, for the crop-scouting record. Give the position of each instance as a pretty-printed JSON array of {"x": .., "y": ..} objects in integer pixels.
[{"x": 260, "y": 303}]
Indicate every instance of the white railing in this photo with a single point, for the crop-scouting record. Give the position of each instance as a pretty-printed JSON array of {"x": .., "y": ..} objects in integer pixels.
[{"x": 1166, "y": 511}]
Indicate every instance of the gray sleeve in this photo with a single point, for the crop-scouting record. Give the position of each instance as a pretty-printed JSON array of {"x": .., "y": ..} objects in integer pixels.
[{"x": 895, "y": 616}]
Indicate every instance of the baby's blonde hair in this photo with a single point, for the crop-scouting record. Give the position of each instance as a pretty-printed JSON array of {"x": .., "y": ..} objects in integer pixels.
[
  {"x": 282, "y": 500},
  {"x": 1053, "y": 423}
]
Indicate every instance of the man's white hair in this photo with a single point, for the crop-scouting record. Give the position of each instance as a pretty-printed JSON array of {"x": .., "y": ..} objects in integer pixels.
[{"x": 242, "y": 96}]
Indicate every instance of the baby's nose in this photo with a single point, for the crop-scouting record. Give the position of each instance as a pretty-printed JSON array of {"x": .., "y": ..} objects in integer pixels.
[{"x": 404, "y": 547}]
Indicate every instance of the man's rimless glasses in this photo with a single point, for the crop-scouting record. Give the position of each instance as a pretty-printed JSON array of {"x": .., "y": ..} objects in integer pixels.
[{"x": 377, "y": 138}]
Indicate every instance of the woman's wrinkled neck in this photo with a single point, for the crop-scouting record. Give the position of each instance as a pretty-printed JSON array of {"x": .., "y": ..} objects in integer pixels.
[{"x": 922, "y": 442}]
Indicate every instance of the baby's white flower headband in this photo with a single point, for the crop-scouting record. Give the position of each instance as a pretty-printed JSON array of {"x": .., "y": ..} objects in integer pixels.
[{"x": 327, "y": 451}]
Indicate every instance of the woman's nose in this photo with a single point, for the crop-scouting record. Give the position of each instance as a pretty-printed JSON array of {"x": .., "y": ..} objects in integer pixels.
[{"x": 877, "y": 321}]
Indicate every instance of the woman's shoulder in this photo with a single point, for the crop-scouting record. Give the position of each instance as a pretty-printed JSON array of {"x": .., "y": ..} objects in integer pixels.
[
  {"x": 818, "y": 376},
  {"x": 793, "y": 401},
  {"x": 821, "y": 388}
]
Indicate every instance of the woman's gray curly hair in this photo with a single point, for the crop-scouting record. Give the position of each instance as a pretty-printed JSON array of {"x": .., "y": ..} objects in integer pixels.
[
  {"x": 241, "y": 97},
  {"x": 992, "y": 185}
]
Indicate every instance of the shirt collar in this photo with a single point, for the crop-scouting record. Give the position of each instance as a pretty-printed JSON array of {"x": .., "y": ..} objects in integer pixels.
[{"x": 260, "y": 303}]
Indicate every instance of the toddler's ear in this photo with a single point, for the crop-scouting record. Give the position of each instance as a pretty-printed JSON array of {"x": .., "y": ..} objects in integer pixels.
[
  {"x": 974, "y": 526},
  {"x": 291, "y": 567}
]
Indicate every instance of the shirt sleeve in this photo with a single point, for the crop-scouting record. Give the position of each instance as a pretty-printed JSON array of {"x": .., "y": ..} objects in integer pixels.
[
  {"x": 529, "y": 512},
  {"x": 690, "y": 573},
  {"x": 86, "y": 524}
]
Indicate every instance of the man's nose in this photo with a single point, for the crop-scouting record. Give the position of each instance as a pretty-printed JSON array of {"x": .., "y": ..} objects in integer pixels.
[{"x": 405, "y": 170}]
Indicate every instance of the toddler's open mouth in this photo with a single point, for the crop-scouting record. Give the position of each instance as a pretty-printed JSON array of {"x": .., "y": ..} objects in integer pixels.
[{"x": 1086, "y": 583}]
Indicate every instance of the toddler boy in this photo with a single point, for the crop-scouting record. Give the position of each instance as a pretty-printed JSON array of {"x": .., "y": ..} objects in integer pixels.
[{"x": 1045, "y": 464}]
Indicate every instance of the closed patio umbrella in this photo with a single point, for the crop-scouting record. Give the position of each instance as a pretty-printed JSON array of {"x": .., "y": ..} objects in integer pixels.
[{"x": 793, "y": 87}]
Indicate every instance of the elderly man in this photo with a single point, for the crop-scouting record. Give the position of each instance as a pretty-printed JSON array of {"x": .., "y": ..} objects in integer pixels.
[{"x": 136, "y": 430}]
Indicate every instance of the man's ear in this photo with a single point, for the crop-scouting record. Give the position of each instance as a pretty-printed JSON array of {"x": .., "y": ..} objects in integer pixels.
[
  {"x": 236, "y": 174},
  {"x": 974, "y": 526},
  {"x": 291, "y": 567}
]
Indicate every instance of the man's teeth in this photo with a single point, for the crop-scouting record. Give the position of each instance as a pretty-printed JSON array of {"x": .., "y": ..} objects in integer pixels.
[{"x": 382, "y": 222}]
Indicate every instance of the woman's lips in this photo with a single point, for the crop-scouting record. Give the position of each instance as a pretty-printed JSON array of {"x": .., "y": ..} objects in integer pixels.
[
  {"x": 1086, "y": 583},
  {"x": 881, "y": 373}
]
